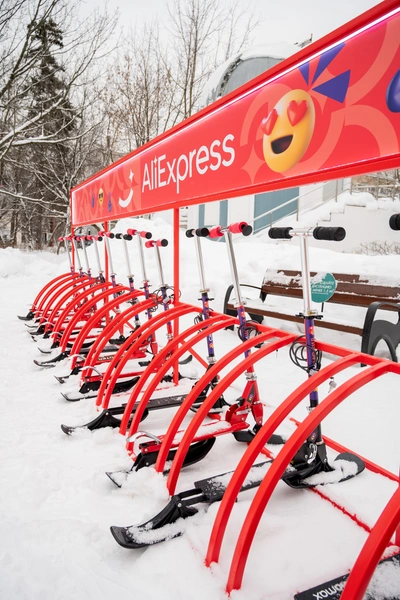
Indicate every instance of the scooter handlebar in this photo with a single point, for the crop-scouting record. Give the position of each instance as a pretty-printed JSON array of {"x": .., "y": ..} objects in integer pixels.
[
  {"x": 127, "y": 237},
  {"x": 394, "y": 222},
  {"x": 201, "y": 232},
  {"x": 216, "y": 232},
  {"x": 144, "y": 234},
  {"x": 280, "y": 233},
  {"x": 152, "y": 243},
  {"x": 241, "y": 227},
  {"x": 334, "y": 234}
]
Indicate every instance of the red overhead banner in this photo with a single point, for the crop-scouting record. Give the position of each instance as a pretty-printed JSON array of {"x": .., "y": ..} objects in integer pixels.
[{"x": 331, "y": 110}]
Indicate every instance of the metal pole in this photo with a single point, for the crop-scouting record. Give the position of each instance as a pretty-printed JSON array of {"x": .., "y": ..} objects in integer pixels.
[
  {"x": 71, "y": 267},
  {"x": 159, "y": 266},
  {"x": 200, "y": 265},
  {"x": 128, "y": 264},
  {"x": 305, "y": 275},
  {"x": 78, "y": 260},
  {"x": 107, "y": 241},
  {"x": 96, "y": 251},
  {"x": 232, "y": 262}
]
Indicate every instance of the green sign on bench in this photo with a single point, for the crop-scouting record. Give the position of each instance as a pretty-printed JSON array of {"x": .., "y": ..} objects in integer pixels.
[{"x": 323, "y": 288}]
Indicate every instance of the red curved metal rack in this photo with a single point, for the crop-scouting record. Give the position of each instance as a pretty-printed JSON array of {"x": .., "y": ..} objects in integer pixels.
[
  {"x": 49, "y": 288},
  {"x": 204, "y": 409},
  {"x": 64, "y": 337},
  {"x": 130, "y": 346},
  {"x": 58, "y": 317},
  {"x": 283, "y": 459},
  {"x": 113, "y": 325},
  {"x": 200, "y": 330},
  {"x": 70, "y": 285},
  {"x": 118, "y": 322},
  {"x": 372, "y": 550},
  {"x": 51, "y": 313}
]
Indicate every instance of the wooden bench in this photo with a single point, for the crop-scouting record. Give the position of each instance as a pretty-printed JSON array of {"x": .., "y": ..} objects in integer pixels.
[{"x": 352, "y": 290}]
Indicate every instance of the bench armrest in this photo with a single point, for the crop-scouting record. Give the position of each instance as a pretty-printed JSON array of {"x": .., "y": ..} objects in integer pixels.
[{"x": 373, "y": 330}]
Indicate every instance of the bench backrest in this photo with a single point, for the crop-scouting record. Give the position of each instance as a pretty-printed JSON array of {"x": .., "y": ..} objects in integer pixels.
[{"x": 354, "y": 290}]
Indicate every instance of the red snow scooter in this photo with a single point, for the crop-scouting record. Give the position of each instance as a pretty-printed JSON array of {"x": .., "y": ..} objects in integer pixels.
[{"x": 309, "y": 460}]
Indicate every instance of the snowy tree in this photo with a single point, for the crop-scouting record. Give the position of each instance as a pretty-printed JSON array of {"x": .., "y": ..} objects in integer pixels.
[
  {"x": 157, "y": 82},
  {"x": 45, "y": 74}
]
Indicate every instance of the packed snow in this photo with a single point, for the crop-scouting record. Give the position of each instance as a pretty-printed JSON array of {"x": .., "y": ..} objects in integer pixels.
[{"x": 57, "y": 504}]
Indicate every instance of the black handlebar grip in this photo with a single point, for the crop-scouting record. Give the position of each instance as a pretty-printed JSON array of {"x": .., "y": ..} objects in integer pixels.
[
  {"x": 202, "y": 232},
  {"x": 334, "y": 234},
  {"x": 394, "y": 222},
  {"x": 127, "y": 237},
  {"x": 247, "y": 230},
  {"x": 283, "y": 233},
  {"x": 164, "y": 242},
  {"x": 118, "y": 236},
  {"x": 111, "y": 235}
]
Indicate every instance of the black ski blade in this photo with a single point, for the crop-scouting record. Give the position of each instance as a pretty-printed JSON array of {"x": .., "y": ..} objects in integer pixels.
[
  {"x": 333, "y": 589},
  {"x": 143, "y": 535},
  {"x": 187, "y": 360},
  {"x": 71, "y": 397},
  {"x": 324, "y": 474},
  {"x": 62, "y": 378},
  {"x": 52, "y": 362},
  {"x": 27, "y": 317},
  {"x": 118, "y": 477},
  {"x": 44, "y": 351},
  {"x": 196, "y": 453},
  {"x": 119, "y": 387},
  {"x": 160, "y": 528},
  {"x": 105, "y": 419},
  {"x": 44, "y": 365},
  {"x": 124, "y": 386}
]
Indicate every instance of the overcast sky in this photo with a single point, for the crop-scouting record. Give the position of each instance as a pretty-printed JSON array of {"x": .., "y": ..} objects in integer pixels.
[{"x": 281, "y": 20}]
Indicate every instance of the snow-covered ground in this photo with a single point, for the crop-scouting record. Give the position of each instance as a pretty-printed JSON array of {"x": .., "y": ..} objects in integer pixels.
[{"x": 57, "y": 504}]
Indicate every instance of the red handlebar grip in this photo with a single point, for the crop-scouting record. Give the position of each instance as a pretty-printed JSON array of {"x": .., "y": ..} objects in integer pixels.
[
  {"x": 216, "y": 232},
  {"x": 131, "y": 231},
  {"x": 237, "y": 227},
  {"x": 146, "y": 234},
  {"x": 151, "y": 243}
]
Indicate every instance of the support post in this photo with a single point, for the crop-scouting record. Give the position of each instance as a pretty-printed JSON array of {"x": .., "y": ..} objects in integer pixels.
[
  {"x": 397, "y": 534},
  {"x": 176, "y": 283}
]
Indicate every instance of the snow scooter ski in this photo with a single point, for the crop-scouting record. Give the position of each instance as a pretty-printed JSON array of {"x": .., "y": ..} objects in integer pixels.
[
  {"x": 311, "y": 458},
  {"x": 108, "y": 416}
]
